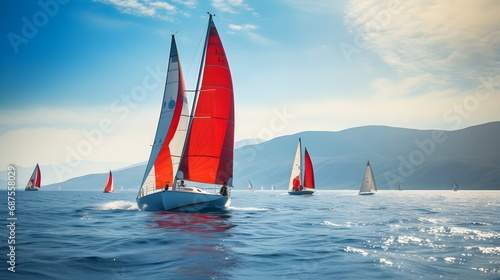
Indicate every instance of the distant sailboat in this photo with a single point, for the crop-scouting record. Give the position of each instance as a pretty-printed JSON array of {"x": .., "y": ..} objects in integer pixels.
[
  {"x": 455, "y": 186},
  {"x": 368, "y": 186},
  {"x": 399, "y": 187},
  {"x": 250, "y": 187},
  {"x": 299, "y": 184},
  {"x": 35, "y": 180},
  {"x": 196, "y": 147},
  {"x": 273, "y": 188},
  {"x": 109, "y": 185},
  {"x": 261, "y": 187}
]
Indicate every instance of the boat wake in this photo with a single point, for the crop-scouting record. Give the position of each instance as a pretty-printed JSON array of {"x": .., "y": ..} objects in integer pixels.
[
  {"x": 249, "y": 208},
  {"x": 118, "y": 205}
]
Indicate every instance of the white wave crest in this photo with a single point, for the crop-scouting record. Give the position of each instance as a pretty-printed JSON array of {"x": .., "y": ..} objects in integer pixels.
[
  {"x": 248, "y": 208},
  {"x": 350, "y": 249},
  {"x": 118, "y": 205}
]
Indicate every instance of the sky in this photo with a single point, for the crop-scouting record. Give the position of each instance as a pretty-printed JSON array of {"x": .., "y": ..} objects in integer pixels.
[{"x": 81, "y": 82}]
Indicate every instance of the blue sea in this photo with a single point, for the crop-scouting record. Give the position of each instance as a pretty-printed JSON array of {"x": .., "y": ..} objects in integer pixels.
[{"x": 264, "y": 235}]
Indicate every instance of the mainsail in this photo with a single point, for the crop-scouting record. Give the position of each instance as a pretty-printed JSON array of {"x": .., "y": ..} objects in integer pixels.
[
  {"x": 368, "y": 185},
  {"x": 35, "y": 180},
  {"x": 171, "y": 131},
  {"x": 308, "y": 171},
  {"x": 208, "y": 152},
  {"x": 109, "y": 184}
]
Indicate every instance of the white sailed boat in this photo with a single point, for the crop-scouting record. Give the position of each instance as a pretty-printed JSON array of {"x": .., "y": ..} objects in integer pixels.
[
  {"x": 368, "y": 186},
  {"x": 301, "y": 184},
  {"x": 109, "y": 184},
  {"x": 250, "y": 186},
  {"x": 273, "y": 188},
  {"x": 198, "y": 147},
  {"x": 455, "y": 186},
  {"x": 400, "y": 188},
  {"x": 35, "y": 180}
]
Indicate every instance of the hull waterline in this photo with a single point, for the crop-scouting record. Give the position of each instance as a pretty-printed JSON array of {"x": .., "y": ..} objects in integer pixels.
[{"x": 301, "y": 192}]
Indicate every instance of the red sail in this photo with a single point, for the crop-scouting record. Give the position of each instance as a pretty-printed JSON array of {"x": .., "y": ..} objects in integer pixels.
[
  {"x": 109, "y": 184},
  {"x": 208, "y": 155},
  {"x": 38, "y": 177},
  {"x": 308, "y": 172}
]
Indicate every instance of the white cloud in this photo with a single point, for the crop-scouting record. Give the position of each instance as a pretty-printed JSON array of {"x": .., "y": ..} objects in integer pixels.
[
  {"x": 163, "y": 5},
  {"x": 158, "y": 9},
  {"x": 242, "y": 27},
  {"x": 230, "y": 6},
  {"x": 449, "y": 42}
]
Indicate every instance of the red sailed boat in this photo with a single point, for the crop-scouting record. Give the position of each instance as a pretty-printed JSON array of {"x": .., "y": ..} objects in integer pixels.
[
  {"x": 301, "y": 182},
  {"x": 109, "y": 184},
  {"x": 192, "y": 154},
  {"x": 35, "y": 180}
]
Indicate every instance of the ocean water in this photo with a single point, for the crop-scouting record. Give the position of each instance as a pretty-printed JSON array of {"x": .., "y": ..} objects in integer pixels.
[{"x": 264, "y": 235}]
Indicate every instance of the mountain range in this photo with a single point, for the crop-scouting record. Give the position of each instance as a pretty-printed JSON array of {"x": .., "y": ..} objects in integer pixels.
[{"x": 415, "y": 159}]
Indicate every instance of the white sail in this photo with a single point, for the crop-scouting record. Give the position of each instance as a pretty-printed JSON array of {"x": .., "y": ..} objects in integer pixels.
[
  {"x": 250, "y": 187},
  {"x": 297, "y": 165},
  {"x": 171, "y": 130},
  {"x": 368, "y": 186}
]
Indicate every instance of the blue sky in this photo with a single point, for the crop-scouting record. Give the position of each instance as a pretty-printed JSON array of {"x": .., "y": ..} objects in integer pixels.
[{"x": 74, "y": 73}]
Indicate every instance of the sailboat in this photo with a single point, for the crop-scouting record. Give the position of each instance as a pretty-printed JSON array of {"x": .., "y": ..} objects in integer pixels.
[
  {"x": 455, "y": 186},
  {"x": 250, "y": 187},
  {"x": 35, "y": 180},
  {"x": 368, "y": 186},
  {"x": 273, "y": 188},
  {"x": 300, "y": 185},
  {"x": 109, "y": 184},
  {"x": 195, "y": 148},
  {"x": 399, "y": 187}
]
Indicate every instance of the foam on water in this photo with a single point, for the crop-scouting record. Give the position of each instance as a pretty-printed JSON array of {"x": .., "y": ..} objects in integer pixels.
[{"x": 118, "y": 205}]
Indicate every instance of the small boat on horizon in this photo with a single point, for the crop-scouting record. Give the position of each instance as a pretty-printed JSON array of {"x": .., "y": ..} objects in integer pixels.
[
  {"x": 109, "y": 184},
  {"x": 368, "y": 185},
  {"x": 455, "y": 186},
  {"x": 250, "y": 186},
  {"x": 35, "y": 180},
  {"x": 399, "y": 187},
  {"x": 301, "y": 185}
]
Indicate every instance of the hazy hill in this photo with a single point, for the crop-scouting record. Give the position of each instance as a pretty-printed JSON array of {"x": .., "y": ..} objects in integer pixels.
[{"x": 418, "y": 159}]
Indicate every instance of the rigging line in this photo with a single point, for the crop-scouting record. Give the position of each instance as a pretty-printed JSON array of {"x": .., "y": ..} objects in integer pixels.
[{"x": 196, "y": 53}]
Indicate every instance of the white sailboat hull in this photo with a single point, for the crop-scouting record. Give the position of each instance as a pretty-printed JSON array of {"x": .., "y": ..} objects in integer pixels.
[{"x": 187, "y": 200}]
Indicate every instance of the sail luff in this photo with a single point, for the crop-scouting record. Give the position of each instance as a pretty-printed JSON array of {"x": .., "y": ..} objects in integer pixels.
[
  {"x": 209, "y": 148},
  {"x": 296, "y": 168},
  {"x": 308, "y": 171}
]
